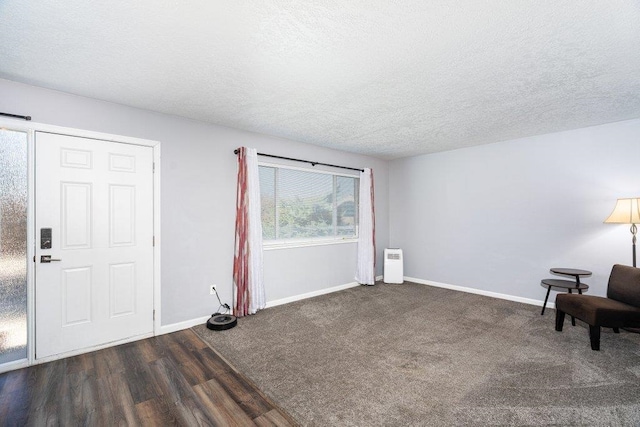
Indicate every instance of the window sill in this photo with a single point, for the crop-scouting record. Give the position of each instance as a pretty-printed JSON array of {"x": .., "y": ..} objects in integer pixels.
[{"x": 272, "y": 246}]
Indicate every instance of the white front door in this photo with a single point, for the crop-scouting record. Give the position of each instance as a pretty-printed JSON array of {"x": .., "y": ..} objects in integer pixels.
[{"x": 94, "y": 222}]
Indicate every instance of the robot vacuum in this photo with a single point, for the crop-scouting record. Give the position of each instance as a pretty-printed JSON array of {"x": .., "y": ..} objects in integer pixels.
[{"x": 221, "y": 322}]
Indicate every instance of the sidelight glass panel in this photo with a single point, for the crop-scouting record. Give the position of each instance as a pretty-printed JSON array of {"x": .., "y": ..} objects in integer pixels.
[{"x": 13, "y": 245}]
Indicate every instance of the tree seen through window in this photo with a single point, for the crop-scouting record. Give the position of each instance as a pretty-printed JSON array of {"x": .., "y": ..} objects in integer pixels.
[{"x": 300, "y": 204}]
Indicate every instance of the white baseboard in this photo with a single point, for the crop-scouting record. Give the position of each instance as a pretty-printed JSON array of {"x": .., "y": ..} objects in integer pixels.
[
  {"x": 311, "y": 294},
  {"x": 12, "y": 366},
  {"x": 508, "y": 297},
  {"x": 175, "y": 327}
]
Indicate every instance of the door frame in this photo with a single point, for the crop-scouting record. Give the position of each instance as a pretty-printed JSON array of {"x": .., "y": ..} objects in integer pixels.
[{"x": 30, "y": 128}]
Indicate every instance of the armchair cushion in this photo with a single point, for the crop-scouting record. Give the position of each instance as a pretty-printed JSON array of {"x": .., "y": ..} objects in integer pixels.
[
  {"x": 598, "y": 310},
  {"x": 624, "y": 285}
]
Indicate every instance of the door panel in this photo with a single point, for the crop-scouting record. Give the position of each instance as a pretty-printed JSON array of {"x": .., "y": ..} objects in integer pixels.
[
  {"x": 122, "y": 289},
  {"x": 75, "y": 226},
  {"x": 122, "y": 225},
  {"x": 76, "y": 295},
  {"x": 97, "y": 197}
]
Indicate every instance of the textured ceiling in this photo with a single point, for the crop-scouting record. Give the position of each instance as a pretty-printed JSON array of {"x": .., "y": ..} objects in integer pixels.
[{"x": 386, "y": 78}]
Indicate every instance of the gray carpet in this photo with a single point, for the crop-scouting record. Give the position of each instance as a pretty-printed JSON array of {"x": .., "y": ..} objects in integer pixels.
[{"x": 417, "y": 355}]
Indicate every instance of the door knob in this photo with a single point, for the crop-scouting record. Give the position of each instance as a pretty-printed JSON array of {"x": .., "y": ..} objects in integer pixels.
[{"x": 47, "y": 259}]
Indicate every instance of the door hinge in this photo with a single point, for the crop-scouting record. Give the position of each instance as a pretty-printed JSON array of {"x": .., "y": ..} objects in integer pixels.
[
  {"x": 154, "y": 315},
  {"x": 34, "y": 258},
  {"x": 153, "y": 168},
  {"x": 154, "y": 241}
]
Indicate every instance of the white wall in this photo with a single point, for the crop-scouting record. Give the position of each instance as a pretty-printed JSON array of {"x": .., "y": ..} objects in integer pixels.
[
  {"x": 198, "y": 199},
  {"x": 494, "y": 217},
  {"x": 497, "y": 217}
]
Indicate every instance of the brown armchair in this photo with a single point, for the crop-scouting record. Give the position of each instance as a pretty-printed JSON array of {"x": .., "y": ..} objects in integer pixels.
[{"x": 621, "y": 307}]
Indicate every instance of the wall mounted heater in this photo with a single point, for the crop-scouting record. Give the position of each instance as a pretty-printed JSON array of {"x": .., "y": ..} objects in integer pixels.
[{"x": 393, "y": 266}]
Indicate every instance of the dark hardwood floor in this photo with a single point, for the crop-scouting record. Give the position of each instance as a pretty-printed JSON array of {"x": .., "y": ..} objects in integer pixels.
[{"x": 173, "y": 379}]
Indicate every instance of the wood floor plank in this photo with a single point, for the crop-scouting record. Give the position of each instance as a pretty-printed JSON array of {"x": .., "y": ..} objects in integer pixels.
[
  {"x": 254, "y": 401},
  {"x": 192, "y": 368},
  {"x": 122, "y": 408},
  {"x": 247, "y": 396},
  {"x": 107, "y": 362},
  {"x": 80, "y": 391},
  {"x": 190, "y": 413},
  {"x": 176, "y": 389},
  {"x": 155, "y": 412},
  {"x": 15, "y": 398},
  {"x": 173, "y": 379},
  {"x": 223, "y": 409},
  {"x": 193, "y": 371},
  {"x": 8, "y": 379},
  {"x": 272, "y": 418},
  {"x": 189, "y": 340},
  {"x": 141, "y": 382},
  {"x": 170, "y": 380},
  {"x": 151, "y": 349},
  {"x": 80, "y": 363},
  {"x": 50, "y": 380}
]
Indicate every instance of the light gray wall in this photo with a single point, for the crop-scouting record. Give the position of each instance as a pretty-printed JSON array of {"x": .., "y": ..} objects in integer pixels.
[
  {"x": 497, "y": 217},
  {"x": 198, "y": 199}
]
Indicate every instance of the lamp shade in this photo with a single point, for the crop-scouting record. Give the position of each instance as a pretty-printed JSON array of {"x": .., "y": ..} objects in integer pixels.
[{"x": 627, "y": 211}]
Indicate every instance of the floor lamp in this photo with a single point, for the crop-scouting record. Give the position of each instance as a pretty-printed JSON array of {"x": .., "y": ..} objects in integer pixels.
[{"x": 627, "y": 211}]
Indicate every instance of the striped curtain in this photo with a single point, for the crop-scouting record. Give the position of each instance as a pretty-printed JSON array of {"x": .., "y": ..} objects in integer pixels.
[
  {"x": 366, "y": 268},
  {"x": 247, "y": 260}
]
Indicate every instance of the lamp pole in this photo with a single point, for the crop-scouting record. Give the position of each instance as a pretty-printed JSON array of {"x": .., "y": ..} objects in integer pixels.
[{"x": 634, "y": 230}]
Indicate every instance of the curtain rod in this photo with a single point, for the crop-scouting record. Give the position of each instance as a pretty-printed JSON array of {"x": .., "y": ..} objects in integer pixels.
[
  {"x": 16, "y": 116},
  {"x": 236, "y": 151}
]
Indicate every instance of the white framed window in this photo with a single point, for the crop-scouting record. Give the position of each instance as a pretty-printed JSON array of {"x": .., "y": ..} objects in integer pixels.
[{"x": 301, "y": 207}]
